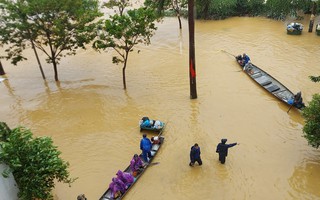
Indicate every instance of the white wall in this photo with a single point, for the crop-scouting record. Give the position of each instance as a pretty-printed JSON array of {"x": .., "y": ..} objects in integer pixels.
[{"x": 8, "y": 188}]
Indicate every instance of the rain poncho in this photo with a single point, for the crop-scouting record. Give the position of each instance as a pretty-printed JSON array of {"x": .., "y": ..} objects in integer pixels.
[
  {"x": 117, "y": 185},
  {"x": 222, "y": 149},
  {"x": 136, "y": 164},
  {"x": 125, "y": 177}
]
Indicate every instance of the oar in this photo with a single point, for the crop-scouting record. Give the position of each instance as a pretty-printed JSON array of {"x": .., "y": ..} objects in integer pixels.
[
  {"x": 290, "y": 108},
  {"x": 154, "y": 163},
  {"x": 229, "y": 53},
  {"x": 151, "y": 164}
]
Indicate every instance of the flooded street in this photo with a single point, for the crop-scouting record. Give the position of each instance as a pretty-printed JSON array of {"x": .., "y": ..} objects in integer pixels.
[{"x": 94, "y": 122}]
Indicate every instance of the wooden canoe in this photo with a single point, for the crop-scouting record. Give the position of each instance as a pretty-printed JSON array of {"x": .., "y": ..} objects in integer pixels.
[
  {"x": 270, "y": 84},
  {"x": 155, "y": 148}
]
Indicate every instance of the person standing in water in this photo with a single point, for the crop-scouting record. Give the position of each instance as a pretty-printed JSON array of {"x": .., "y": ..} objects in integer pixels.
[
  {"x": 222, "y": 149},
  {"x": 195, "y": 155}
]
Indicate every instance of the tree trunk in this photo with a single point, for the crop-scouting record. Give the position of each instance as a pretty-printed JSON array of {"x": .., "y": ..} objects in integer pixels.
[
  {"x": 192, "y": 63},
  {"x": 1, "y": 69},
  {"x": 179, "y": 19},
  {"x": 55, "y": 70},
  {"x": 37, "y": 57},
  {"x": 124, "y": 70},
  {"x": 35, "y": 52},
  {"x": 313, "y": 11}
]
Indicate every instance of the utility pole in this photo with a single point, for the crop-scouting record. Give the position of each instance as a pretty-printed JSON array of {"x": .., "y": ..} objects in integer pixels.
[
  {"x": 313, "y": 12},
  {"x": 192, "y": 62}
]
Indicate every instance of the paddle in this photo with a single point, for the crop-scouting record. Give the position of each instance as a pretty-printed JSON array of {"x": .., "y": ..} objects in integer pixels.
[
  {"x": 290, "y": 108},
  {"x": 154, "y": 163},
  {"x": 229, "y": 53}
]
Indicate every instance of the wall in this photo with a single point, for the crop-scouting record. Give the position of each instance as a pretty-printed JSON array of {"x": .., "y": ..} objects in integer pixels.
[{"x": 8, "y": 188}]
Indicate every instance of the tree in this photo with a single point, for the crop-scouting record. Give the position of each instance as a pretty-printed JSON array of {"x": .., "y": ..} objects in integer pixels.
[
  {"x": 34, "y": 162},
  {"x": 311, "y": 114},
  {"x": 123, "y": 31},
  {"x": 58, "y": 28},
  {"x": 14, "y": 36},
  {"x": 163, "y": 5},
  {"x": 279, "y": 9}
]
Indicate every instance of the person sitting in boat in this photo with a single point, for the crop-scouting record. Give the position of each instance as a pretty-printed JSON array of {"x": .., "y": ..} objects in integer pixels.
[
  {"x": 240, "y": 60},
  {"x": 117, "y": 188},
  {"x": 125, "y": 177},
  {"x": 245, "y": 59},
  {"x": 297, "y": 101},
  {"x": 155, "y": 140},
  {"x": 146, "y": 122},
  {"x": 136, "y": 165},
  {"x": 158, "y": 124}
]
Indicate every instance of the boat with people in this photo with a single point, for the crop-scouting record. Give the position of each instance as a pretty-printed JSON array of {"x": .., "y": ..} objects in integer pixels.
[
  {"x": 271, "y": 84},
  {"x": 294, "y": 28},
  {"x": 110, "y": 194},
  {"x": 152, "y": 125}
]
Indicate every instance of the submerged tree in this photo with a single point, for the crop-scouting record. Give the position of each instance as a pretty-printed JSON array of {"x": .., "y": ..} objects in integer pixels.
[
  {"x": 58, "y": 28},
  {"x": 167, "y": 5},
  {"x": 123, "y": 31},
  {"x": 34, "y": 162},
  {"x": 16, "y": 32}
]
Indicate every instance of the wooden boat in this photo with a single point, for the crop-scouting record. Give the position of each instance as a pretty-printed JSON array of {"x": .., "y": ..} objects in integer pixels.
[
  {"x": 151, "y": 125},
  {"x": 294, "y": 28},
  {"x": 272, "y": 85},
  {"x": 155, "y": 148}
]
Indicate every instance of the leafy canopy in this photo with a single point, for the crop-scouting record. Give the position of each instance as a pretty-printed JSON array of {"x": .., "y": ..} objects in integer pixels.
[
  {"x": 54, "y": 26},
  {"x": 311, "y": 114},
  {"x": 122, "y": 32},
  {"x": 34, "y": 162}
]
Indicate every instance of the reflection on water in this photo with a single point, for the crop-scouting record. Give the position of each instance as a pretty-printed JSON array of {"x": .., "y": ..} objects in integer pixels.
[{"x": 94, "y": 122}]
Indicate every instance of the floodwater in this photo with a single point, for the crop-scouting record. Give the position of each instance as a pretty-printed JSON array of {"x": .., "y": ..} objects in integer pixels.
[{"x": 94, "y": 122}]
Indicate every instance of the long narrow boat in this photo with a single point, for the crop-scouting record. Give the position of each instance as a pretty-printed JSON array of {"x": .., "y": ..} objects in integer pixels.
[
  {"x": 272, "y": 85},
  {"x": 155, "y": 148}
]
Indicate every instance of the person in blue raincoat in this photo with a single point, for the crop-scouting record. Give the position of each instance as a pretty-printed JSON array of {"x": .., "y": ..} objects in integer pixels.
[
  {"x": 222, "y": 149},
  {"x": 195, "y": 155},
  {"x": 145, "y": 146}
]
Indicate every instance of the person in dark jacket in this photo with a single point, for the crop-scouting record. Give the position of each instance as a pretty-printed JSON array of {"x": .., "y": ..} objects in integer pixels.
[
  {"x": 195, "y": 155},
  {"x": 222, "y": 149},
  {"x": 145, "y": 146}
]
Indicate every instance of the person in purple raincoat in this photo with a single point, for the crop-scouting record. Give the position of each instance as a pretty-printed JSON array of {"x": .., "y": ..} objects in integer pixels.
[
  {"x": 117, "y": 187},
  {"x": 126, "y": 178},
  {"x": 136, "y": 165}
]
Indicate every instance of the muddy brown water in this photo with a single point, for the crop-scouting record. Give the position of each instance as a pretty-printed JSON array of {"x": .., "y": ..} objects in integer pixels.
[{"x": 94, "y": 122}]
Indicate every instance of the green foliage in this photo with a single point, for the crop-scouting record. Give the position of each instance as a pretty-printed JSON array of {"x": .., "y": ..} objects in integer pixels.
[
  {"x": 276, "y": 9},
  {"x": 34, "y": 162},
  {"x": 54, "y": 26},
  {"x": 123, "y": 32},
  {"x": 118, "y": 4},
  {"x": 311, "y": 114},
  {"x": 315, "y": 78},
  {"x": 168, "y": 7}
]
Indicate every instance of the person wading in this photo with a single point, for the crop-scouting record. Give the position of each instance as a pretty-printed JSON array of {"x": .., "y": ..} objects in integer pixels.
[
  {"x": 222, "y": 149},
  {"x": 195, "y": 155}
]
